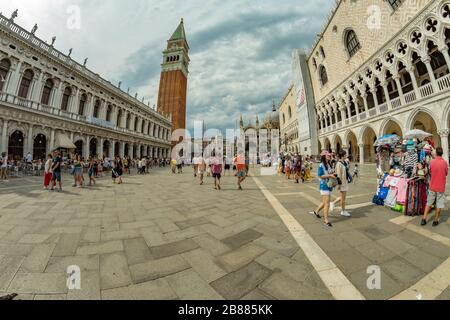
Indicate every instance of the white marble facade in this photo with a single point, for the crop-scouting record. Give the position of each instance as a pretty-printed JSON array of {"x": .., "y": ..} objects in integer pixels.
[
  {"x": 46, "y": 96},
  {"x": 402, "y": 84}
]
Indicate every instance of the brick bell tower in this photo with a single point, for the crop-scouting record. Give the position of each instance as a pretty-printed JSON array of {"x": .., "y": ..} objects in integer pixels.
[{"x": 174, "y": 75}]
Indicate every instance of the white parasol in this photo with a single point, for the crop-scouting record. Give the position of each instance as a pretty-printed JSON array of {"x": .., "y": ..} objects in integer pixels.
[{"x": 417, "y": 134}]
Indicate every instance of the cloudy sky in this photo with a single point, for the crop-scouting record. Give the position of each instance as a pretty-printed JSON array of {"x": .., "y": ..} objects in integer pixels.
[{"x": 240, "y": 49}]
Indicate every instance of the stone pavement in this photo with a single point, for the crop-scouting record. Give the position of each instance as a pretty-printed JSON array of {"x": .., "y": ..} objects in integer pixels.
[{"x": 163, "y": 236}]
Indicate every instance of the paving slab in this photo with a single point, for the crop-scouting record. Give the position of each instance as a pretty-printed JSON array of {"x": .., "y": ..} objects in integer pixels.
[
  {"x": 236, "y": 285},
  {"x": 159, "y": 268},
  {"x": 9, "y": 265},
  {"x": 39, "y": 283},
  {"x": 242, "y": 238},
  {"x": 152, "y": 290},
  {"x": 174, "y": 248},
  {"x": 114, "y": 272},
  {"x": 237, "y": 259},
  {"x": 188, "y": 285}
]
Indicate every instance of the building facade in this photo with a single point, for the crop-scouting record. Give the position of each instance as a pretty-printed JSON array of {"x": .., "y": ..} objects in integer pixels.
[
  {"x": 253, "y": 133},
  {"x": 290, "y": 142},
  {"x": 381, "y": 67},
  {"x": 173, "y": 83},
  {"x": 47, "y": 100}
]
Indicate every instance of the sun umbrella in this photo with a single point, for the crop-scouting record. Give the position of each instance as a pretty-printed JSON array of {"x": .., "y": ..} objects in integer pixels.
[
  {"x": 387, "y": 139},
  {"x": 417, "y": 134}
]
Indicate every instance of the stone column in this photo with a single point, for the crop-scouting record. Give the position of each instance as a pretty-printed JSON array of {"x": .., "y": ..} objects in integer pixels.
[
  {"x": 52, "y": 140},
  {"x": 86, "y": 147},
  {"x": 90, "y": 105},
  {"x": 38, "y": 87},
  {"x": 103, "y": 109},
  {"x": 100, "y": 147},
  {"x": 361, "y": 153},
  {"x": 343, "y": 115},
  {"x": 57, "y": 96},
  {"x": 30, "y": 142},
  {"x": 373, "y": 91},
  {"x": 4, "y": 141},
  {"x": 152, "y": 125},
  {"x": 114, "y": 115},
  {"x": 444, "y": 51},
  {"x": 399, "y": 88},
  {"x": 122, "y": 149},
  {"x": 386, "y": 94},
  {"x": 412, "y": 74},
  {"x": 13, "y": 85},
  {"x": 74, "y": 101},
  {"x": 366, "y": 106},
  {"x": 427, "y": 62},
  {"x": 444, "y": 142},
  {"x": 112, "y": 149}
]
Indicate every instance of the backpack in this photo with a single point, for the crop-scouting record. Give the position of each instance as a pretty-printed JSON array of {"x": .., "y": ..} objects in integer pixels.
[{"x": 347, "y": 172}]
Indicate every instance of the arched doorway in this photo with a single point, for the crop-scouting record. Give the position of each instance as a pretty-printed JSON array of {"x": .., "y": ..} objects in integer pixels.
[
  {"x": 327, "y": 144},
  {"x": 393, "y": 127},
  {"x": 148, "y": 152},
  {"x": 117, "y": 149},
  {"x": 127, "y": 149},
  {"x": 93, "y": 147},
  {"x": 79, "y": 145},
  {"x": 369, "y": 138},
  {"x": 423, "y": 121},
  {"x": 338, "y": 144},
  {"x": 106, "y": 148},
  {"x": 15, "y": 145},
  {"x": 142, "y": 152},
  {"x": 134, "y": 151},
  {"x": 353, "y": 148},
  {"x": 39, "y": 147}
]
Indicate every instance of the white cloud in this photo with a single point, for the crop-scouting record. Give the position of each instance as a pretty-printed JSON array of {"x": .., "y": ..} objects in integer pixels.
[{"x": 240, "y": 49}]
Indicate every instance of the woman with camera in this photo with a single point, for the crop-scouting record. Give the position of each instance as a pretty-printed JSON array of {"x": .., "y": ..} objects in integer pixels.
[{"x": 328, "y": 181}]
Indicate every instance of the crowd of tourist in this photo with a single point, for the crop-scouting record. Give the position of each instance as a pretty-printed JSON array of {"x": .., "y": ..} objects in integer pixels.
[{"x": 78, "y": 167}]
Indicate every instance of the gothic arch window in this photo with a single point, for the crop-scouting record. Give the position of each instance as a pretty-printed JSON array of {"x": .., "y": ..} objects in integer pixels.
[
  {"x": 322, "y": 52},
  {"x": 290, "y": 112},
  {"x": 314, "y": 63},
  {"x": 108, "y": 113},
  {"x": 96, "y": 109},
  {"x": 48, "y": 87},
  {"x": 82, "y": 104},
  {"x": 5, "y": 65},
  {"x": 284, "y": 119},
  {"x": 25, "y": 84},
  {"x": 395, "y": 4},
  {"x": 323, "y": 75},
  {"x": 136, "y": 123},
  {"x": 352, "y": 43},
  {"x": 65, "y": 99}
]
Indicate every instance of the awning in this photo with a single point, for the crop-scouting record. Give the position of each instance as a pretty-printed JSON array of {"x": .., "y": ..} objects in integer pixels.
[{"x": 62, "y": 141}]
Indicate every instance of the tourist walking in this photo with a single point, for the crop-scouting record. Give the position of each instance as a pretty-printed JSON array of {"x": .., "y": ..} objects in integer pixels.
[
  {"x": 343, "y": 175},
  {"x": 201, "y": 169},
  {"x": 91, "y": 174},
  {"x": 48, "y": 171},
  {"x": 173, "y": 165},
  {"x": 216, "y": 167},
  {"x": 326, "y": 187},
  {"x": 4, "y": 166},
  {"x": 436, "y": 195},
  {"x": 117, "y": 170},
  {"x": 56, "y": 169},
  {"x": 241, "y": 170},
  {"x": 78, "y": 172},
  {"x": 195, "y": 165}
]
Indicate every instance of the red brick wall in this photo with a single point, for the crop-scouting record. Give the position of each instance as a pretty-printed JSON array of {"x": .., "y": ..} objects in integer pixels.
[{"x": 172, "y": 97}]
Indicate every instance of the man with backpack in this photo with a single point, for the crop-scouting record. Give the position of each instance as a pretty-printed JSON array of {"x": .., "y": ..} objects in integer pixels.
[{"x": 344, "y": 178}]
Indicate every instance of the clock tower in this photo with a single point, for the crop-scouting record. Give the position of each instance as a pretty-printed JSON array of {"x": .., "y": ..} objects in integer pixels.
[{"x": 173, "y": 82}]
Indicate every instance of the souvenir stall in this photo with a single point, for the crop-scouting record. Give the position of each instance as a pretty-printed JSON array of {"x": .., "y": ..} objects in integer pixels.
[{"x": 402, "y": 167}]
